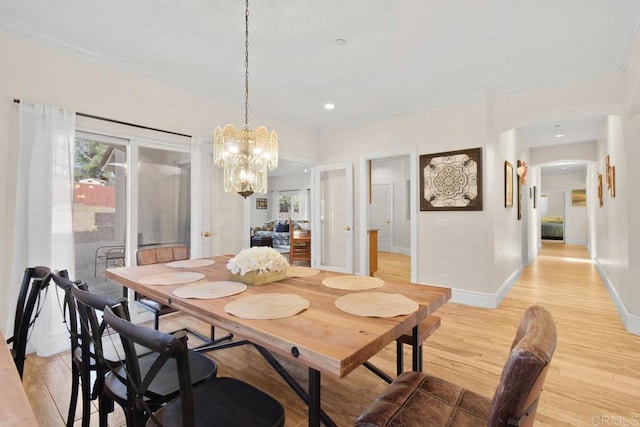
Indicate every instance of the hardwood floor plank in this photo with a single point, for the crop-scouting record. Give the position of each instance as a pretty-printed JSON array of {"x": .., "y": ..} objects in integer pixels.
[{"x": 595, "y": 371}]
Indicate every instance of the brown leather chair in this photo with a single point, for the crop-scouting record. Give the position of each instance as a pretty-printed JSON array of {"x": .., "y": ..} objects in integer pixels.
[{"x": 418, "y": 399}]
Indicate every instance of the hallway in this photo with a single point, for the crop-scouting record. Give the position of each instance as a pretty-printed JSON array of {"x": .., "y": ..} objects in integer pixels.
[{"x": 595, "y": 372}]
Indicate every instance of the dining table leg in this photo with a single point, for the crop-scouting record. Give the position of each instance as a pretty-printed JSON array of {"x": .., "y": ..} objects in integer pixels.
[
  {"x": 311, "y": 397},
  {"x": 314, "y": 398}
]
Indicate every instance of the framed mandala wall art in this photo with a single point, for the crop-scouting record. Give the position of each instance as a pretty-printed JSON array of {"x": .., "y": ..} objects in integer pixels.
[{"x": 451, "y": 181}]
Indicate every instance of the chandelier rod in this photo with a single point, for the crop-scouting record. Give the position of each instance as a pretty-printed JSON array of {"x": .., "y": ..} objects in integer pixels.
[{"x": 246, "y": 63}]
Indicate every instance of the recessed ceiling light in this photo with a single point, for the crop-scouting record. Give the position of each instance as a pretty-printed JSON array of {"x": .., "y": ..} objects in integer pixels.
[
  {"x": 329, "y": 106},
  {"x": 563, "y": 168},
  {"x": 560, "y": 135},
  {"x": 556, "y": 126},
  {"x": 340, "y": 42},
  {"x": 306, "y": 170}
]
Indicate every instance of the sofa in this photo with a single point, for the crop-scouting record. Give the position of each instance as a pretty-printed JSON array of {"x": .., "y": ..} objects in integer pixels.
[{"x": 279, "y": 230}]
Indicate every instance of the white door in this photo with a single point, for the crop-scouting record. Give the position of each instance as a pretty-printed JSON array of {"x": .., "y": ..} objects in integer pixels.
[
  {"x": 381, "y": 214},
  {"x": 201, "y": 160},
  {"x": 332, "y": 232}
]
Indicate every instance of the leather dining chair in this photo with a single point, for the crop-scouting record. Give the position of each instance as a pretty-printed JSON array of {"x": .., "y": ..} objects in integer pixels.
[
  {"x": 217, "y": 401},
  {"x": 418, "y": 399},
  {"x": 107, "y": 354},
  {"x": 30, "y": 299}
]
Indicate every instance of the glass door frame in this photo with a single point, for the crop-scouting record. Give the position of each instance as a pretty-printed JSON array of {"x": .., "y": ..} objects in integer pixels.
[{"x": 316, "y": 248}]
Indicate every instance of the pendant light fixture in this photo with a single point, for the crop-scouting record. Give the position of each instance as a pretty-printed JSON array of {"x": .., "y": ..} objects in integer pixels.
[{"x": 243, "y": 153}]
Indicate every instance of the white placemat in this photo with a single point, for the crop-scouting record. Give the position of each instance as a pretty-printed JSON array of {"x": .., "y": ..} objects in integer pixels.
[
  {"x": 177, "y": 278},
  {"x": 353, "y": 283},
  {"x": 376, "y": 304},
  {"x": 299, "y": 271},
  {"x": 267, "y": 306},
  {"x": 191, "y": 263},
  {"x": 210, "y": 290}
]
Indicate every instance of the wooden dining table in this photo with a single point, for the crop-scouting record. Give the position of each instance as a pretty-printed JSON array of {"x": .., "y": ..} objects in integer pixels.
[{"x": 322, "y": 338}]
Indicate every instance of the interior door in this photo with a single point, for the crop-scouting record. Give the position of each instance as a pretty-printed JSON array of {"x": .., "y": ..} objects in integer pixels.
[
  {"x": 201, "y": 160},
  {"x": 332, "y": 232},
  {"x": 381, "y": 214}
]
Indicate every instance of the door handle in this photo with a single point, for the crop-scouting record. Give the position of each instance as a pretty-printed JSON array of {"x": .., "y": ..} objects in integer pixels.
[
  {"x": 348, "y": 228},
  {"x": 206, "y": 234}
]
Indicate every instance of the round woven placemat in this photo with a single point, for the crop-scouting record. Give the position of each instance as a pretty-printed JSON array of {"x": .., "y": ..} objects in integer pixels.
[
  {"x": 210, "y": 290},
  {"x": 191, "y": 263},
  {"x": 166, "y": 279},
  {"x": 267, "y": 306},
  {"x": 299, "y": 271},
  {"x": 353, "y": 283},
  {"x": 376, "y": 304}
]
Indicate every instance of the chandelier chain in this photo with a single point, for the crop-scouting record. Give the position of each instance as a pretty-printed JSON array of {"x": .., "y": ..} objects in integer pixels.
[{"x": 246, "y": 63}]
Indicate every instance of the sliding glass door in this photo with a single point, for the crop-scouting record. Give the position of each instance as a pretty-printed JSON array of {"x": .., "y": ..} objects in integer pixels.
[{"x": 127, "y": 194}]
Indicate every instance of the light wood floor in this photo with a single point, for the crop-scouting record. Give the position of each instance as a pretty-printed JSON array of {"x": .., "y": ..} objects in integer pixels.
[{"x": 595, "y": 372}]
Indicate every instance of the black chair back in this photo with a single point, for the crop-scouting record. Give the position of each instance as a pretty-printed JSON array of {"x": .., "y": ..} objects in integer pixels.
[
  {"x": 166, "y": 346},
  {"x": 30, "y": 299}
]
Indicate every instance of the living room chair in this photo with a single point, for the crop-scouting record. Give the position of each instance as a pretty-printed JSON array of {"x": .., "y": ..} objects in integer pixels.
[
  {"x": 103, "y": 353},
  {"x": 218, "y": 401},
  {"x": 30, "y": 300},
  {"x": 418, "y": 399},
  {"x": 167, "y": 254}
]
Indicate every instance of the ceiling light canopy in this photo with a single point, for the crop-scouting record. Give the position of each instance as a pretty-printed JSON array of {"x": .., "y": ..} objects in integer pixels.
[{"x": 245, "y": 154}]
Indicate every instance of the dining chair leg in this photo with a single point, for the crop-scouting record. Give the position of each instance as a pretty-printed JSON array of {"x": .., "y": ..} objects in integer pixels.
[
  {"x": 105, "y": 407},
  {"x": 85, "y": 382},
  {"x": 73, "y": 402}
]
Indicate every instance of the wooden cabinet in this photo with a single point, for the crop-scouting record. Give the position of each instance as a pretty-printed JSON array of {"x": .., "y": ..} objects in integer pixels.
[
  {"x": 373, "y": 251},
  {"x": 300, "y": 244}
]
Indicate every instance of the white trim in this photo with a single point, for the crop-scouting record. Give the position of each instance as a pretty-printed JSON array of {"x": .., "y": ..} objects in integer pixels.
[
  {"x": 364, "y": 211},
  {"x": 401, "y": 250},
  {"x": 576, "y": 242},
  {"x": 482, "y": 300},
  {"x": 631, "y": 321}
]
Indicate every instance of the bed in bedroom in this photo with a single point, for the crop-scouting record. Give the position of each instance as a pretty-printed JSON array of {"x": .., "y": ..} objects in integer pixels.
[{"x": 552, "y": 228}]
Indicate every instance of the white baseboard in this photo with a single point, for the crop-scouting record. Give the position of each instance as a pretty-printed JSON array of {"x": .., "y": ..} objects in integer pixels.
[
  {"x": 400, "y": 250},
  {"x": 576, "y": 242},
  {"x": 631, "y": 321},
  {"x": 478, "y": 299}
]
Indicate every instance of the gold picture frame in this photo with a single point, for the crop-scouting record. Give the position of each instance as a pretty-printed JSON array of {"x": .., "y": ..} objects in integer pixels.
[
  {"x": 508, "y": 184},
  {"x": 612, "y": 177},
  {"x": 600, "y": 200}
]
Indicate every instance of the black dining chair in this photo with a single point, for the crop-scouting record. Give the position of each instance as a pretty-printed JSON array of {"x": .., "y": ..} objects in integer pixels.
[
  {"x": 30, "y": 299},
  {"x": 107, "y": 351},
  {"x": 218, "y": 401},
  {"x": 79, "y": 376}
]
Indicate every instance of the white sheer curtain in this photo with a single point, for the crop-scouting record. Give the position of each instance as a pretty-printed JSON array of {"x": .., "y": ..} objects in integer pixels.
[{"x": 44, "y": 211}]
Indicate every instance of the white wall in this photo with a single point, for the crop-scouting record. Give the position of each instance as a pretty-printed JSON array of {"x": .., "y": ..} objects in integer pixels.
[{"x": 36, "y": 73}]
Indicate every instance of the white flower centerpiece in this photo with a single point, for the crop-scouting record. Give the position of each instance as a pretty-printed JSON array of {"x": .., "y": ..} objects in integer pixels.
[{"x": 258, "y": 265}]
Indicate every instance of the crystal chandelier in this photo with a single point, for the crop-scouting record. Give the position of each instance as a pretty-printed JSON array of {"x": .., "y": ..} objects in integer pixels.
[{"x": 245, "y": 154}]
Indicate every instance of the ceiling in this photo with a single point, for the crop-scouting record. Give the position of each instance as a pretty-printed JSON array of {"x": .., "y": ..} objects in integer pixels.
[{"x": 397, "y": 56}]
